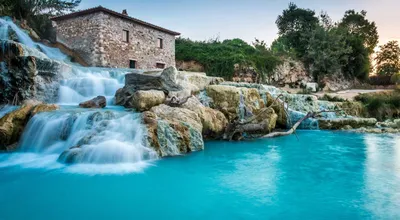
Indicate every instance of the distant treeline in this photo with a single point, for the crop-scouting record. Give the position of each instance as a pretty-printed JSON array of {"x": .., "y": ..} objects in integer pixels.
[{"x": 325, "y": 47}]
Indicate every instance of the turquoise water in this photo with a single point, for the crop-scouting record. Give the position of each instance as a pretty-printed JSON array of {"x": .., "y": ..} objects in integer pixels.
[{"x": 322, "y": 175}]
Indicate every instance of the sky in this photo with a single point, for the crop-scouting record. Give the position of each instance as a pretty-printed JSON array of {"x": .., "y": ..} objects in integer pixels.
[{"x": 246, "y": 19}]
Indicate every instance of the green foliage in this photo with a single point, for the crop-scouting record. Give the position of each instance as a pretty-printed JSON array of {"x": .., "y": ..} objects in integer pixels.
[
  {"x": 293, "y": 24},
  {"x": 329, "y": 98},
  {"x": 326, "y": 47},
  {"x": 327, "y": 51},
  {"x": 38, "y": 12},
  {"x": 219, "y": 58},
  {"x": 383, "y": 105},
  {"x": 358, "y": 25},
  {"x": 395, "y": 79},
  {"x": 388, "y": 59}
]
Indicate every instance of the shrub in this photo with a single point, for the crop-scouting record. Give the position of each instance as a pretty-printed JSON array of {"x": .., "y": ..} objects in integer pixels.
[
  {"x": 329, "y": 98},
  {"x": 380, "y": 80},
  {"x": 382, "y": 105}
]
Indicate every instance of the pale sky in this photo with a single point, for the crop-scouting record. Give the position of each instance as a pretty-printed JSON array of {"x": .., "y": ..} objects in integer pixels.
[{"x": 246, "y": 19}]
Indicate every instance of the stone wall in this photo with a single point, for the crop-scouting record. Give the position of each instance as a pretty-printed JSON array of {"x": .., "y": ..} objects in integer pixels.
[
  {"x": 80, "y": 34},
  {"x": 98, "y": 39}
]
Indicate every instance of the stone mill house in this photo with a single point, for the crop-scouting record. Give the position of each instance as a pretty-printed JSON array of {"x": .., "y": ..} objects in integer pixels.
[{"x": 106, "y": 38}]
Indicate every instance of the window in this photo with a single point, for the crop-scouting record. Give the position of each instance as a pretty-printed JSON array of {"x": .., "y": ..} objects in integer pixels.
[
  {"x": 132, "y": 64},
  {"x": 160, "y": 65},
  {"x": 160, "y": 43},
  {"x": 125, "y": 36}
]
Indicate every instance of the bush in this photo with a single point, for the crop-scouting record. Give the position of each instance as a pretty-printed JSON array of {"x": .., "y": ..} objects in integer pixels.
[
  {"x": 219, "y": 58},
  {"x": 380, "y": 80},
  {"x": 382, "y": 105},
  {"x": 329, "y": 98}
]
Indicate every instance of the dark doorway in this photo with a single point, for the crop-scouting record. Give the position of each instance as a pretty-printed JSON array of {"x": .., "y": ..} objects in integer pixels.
[{"x": 132, "y": 64}]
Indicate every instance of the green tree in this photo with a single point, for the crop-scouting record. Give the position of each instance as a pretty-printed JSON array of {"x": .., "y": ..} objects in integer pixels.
[
  {"x": 327, "y": 51},
  {"x": 388, "y": 59},
  {"x": 357, "y": 24},
  {"x": 293, "y": 24}
]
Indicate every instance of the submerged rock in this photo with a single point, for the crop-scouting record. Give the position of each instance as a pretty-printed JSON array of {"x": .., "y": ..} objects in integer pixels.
[
  {"x": 338, "y": 123},
  {"x": 97, "y": 102}
]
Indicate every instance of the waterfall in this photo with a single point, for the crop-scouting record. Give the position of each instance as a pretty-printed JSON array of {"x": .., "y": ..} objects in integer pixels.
[
  {"x": 102, "y": 140},
  {"x": 6, "y": 24},
  {"x": 5, "y": 109},
  {"x": 88, "y": 137},
  {"x": 89, "y": 82}
]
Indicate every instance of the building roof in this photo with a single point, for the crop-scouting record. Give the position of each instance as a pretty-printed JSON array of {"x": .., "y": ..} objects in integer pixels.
[{"x": 117, "y": 14}]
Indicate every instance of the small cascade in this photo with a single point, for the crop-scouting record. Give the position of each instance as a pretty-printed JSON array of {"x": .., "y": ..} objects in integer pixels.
[
  {"x": 53, "y": 53},
  {"x": 5, "y": 109},
  {"x": 295, "y": 116},
  {"x": 87, "y": 83},
  {"x": 242, "y": 107},
  {"x": 203, "y": 98},
  {"x": 88, "y": 137}
]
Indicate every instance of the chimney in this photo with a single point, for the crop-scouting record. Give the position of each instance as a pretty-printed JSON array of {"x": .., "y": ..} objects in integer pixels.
[{"x": 124, "y": 12}]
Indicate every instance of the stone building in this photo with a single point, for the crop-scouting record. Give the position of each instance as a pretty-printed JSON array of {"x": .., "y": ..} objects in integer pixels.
[{"x": 106, "y": 38}]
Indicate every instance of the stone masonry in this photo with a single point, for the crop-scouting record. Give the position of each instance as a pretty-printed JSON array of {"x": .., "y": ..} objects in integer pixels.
[{"x": 97, "y": 35}]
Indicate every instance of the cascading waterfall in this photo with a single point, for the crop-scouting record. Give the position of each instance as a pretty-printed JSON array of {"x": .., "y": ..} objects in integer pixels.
[
  {"x": 6, "y": 24},
  {"x": 87, "y": 83},
  {"x": 97, "y": 137},
  {"x": 5, "y": 109},
  {"x": 110, "y": 137}
]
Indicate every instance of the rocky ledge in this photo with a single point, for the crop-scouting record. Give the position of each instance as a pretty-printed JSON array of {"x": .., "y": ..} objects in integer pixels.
[{"x": 12, "y": 124}]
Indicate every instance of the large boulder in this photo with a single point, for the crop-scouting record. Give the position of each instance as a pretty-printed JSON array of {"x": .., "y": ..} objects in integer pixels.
[
  {"x": 165, "y": 81},
  {"x": 140, "y": 100},
  {"x": 97, "y": 102},
  {"x": 176, "y": 114},
  {"x": 171, "y": 137},
  {"x": 13, "y": 123},
  {"x": 214, "y": 122},
  {"x": 339, "y": 123},
  {"x": 225, "y": 99}
]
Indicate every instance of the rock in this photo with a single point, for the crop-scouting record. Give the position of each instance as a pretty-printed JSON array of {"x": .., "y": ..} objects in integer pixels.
[
  {"x": 214, "y": 122},
  {"x": 97, "y": 102},
  {"x": 347, "y": 127},
  {"x": 171, "y": 137},
  {"x": 197, "y": 81},
  {"x": 175, "y": 114},
  {"x": 43, "y": 108},
  {"x": 13, "y": 123},
  {"x": 12, "y": 126},
  {"x": 268, "y": 117},
  {"x": 338, "y": 123},
  {"x": 290, "y": 73},
  {"x": 166, "y": 81},
  {"x": 313, "y": 87},
  {"x": 225, "y": 99},
  {"x": 28, "y": 74},
  {"x": 140, "y": 100}
]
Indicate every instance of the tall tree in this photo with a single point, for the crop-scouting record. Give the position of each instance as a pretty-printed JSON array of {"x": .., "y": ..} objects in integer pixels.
[
  {"x": 294, "y": 23},
  {"x": 357, "y": 24},
  {"x": 388, "y": 59}
]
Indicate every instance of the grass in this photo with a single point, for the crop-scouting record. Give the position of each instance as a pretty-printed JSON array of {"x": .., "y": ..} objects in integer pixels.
[
  {"x": 381, "y": 105},
  {"x": 329, "y": 98}
]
